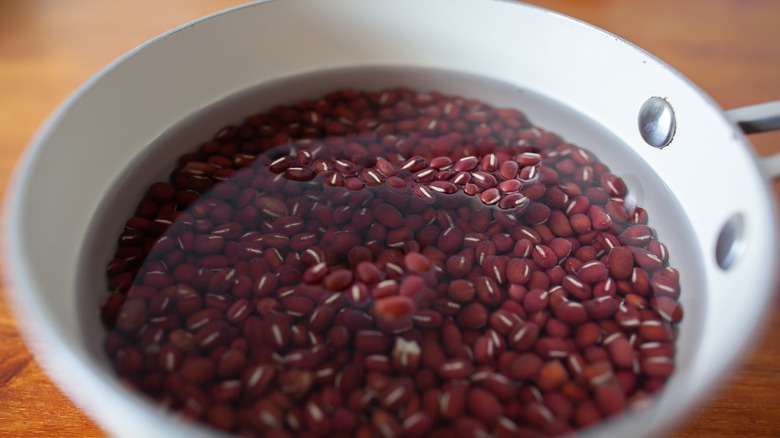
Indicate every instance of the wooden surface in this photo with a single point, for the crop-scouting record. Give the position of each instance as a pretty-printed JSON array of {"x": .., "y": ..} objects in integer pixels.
[{"x": 730, "y": 48}]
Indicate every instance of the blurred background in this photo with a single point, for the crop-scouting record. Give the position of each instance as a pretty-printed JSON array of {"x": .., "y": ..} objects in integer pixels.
[{"x": 729, "y": 48}]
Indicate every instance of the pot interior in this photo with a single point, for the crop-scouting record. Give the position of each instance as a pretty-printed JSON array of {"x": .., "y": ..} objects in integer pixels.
[{"x": 156, "y": 160}]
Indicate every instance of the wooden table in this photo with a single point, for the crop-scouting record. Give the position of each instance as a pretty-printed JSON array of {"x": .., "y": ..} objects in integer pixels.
[{"x": 730, "y": 48}]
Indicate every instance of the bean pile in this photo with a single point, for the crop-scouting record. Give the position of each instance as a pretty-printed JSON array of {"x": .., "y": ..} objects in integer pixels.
[{"x": 391, "y": 263}]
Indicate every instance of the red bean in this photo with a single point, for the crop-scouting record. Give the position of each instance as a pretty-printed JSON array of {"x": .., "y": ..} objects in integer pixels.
[
  {"x": 338, "y": 280},
  {"x": 396, "y": 393},
  {"x": 406, "y": 355},
  {"x": 484, "y": 405},
  {"x": 495, "y": 268},
  {"x": 593, "y": 272},
  {"x": 646, "y": 259},
  {"x": 450, "y": 240},
  {"x": 544, "y": 256},
  {"x": 416, "y": 262},
  {"x": 197, "y": 370},
  {"x": 577, "y": 288},
  {"x": 132, "y": 316},
  {"x": 458, "y": 266},
  {"x": 669, "y": 309},
  {"x": 488, "y": 291},
  {"x": 455, "y": 369},
  {"x": 572, "y": 313},
  {"x": 417, "y": 425},
  {"x": 427, "y": 319},
  {"x": 620, "y": 262},
  {"x": 484, "y": 249},
  {"x": 666, "y": 282},
  {"x": 610, "y": 399},
  {"x": 321, "y": 318},
  {"x": 490, "y": 196},
  {"x": 394, "y": 313},
  {"x": 483, "y": 179},
  {"x": 523, "y": 336},
  {"x": 466, "y": 164},
  {"x": 239, "y": 311},
  {"x": 620, "y": 351},
  {"x": 452, "y": 402},
  {"x": 551, "y": 376},
  {"x": 472, "y": 316},
  {"x": 525, "y": 367},
  {"x": 536, "y": 300},
  {"x": 601, "y": 307}
]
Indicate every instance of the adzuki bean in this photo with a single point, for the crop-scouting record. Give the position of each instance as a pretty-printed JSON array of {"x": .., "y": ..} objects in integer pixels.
[{"x": 388, "y": 263}]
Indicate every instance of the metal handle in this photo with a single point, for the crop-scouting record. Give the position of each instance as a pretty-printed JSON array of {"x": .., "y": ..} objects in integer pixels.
[
  {"x": 757, "y": 118},
  {"x": 760, "y": 118}
]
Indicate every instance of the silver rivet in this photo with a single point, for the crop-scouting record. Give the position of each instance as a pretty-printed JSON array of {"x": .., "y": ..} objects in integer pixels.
[
  {"x": 730, "y": 242},
  {"x": 656, "y": 122}
]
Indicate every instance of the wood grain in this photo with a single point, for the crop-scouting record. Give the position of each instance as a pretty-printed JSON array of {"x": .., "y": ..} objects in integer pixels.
[{"x": 729, "y": 48}]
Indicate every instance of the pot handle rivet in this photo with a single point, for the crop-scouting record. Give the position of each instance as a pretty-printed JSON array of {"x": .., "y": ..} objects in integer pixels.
[
  {"x": 730, "y": 241},
  {"x": 657, "y": 122}
]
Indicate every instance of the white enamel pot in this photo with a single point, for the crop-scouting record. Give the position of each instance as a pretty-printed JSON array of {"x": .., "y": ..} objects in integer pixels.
[{"x": 706, "y": 180}]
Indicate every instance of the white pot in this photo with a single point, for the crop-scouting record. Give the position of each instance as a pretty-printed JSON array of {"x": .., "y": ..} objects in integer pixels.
[{"x": 692, "y": 188}]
